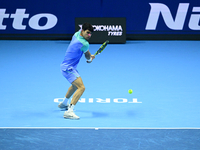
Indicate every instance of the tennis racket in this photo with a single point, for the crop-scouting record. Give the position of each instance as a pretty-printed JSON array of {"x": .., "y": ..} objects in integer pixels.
[{"x": 103, "y": 46}]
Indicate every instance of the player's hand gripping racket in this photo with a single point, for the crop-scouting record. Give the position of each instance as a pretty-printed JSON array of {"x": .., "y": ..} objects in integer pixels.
[{"x": 103, "y": 46}]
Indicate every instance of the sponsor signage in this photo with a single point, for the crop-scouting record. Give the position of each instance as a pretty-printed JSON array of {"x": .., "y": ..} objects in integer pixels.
[
  {"x": 140, "y": 20},
  {"x": 34, "y": 22},
  {"x": 112, "y": 29},
  {"x": 160, "y": 11}
]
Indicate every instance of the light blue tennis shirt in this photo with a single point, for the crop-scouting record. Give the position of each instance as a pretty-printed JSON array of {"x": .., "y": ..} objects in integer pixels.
[{"x": 75, "y": 50}]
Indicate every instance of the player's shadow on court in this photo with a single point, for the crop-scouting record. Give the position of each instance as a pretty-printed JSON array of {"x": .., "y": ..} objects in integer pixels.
[{"x": 92, "y": 114}]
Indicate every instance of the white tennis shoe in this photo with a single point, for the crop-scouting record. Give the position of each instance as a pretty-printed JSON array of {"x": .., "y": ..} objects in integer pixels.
[{"x": 70, "y": 115}]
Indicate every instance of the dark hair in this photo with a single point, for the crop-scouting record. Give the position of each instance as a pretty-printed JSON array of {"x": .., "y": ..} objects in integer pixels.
[{"x": 87, "y": 26}]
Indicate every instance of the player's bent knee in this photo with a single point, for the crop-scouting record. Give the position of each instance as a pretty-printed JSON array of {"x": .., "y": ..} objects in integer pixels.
[{"x": 83, "y": 88}]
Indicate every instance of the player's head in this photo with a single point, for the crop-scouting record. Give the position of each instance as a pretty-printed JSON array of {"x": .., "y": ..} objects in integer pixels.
[
  {"x": 87, "y": 26},
  {"x": 87, "y": 30}
]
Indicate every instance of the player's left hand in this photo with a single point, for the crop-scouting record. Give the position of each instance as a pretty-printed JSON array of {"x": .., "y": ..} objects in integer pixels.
[{"x": 92, "y": 57}]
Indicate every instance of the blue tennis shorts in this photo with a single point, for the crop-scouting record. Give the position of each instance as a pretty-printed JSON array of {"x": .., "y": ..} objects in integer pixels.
[{"x": 71, "y": 74}]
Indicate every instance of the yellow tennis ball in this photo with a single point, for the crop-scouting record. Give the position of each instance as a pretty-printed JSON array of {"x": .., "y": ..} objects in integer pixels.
[{"x": 130, "y": 91}]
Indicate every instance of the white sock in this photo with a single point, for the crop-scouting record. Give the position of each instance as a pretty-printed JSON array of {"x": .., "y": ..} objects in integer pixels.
[
  {"x": 65, "y": 101},
  {"x": 71, "y": 107}
]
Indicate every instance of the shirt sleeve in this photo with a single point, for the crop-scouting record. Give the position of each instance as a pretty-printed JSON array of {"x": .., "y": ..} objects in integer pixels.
[{"x": 85, "y": 48}]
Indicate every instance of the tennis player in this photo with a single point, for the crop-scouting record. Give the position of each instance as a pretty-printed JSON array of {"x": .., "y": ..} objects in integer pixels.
[{"x": 78, "y": 46}]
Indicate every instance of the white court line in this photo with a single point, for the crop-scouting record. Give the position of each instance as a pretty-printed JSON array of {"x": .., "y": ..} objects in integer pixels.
[{"x": 104, "y": 128}]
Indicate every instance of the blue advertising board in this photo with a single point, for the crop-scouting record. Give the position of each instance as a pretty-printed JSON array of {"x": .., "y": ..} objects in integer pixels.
[{"x": 49, "y": 19}]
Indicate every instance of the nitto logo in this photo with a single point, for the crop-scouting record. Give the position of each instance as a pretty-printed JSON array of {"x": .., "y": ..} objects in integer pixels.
[
  {"x": 177, "y": 23},
  {"x": 100, "y": 100},
  {"x": 113, "y": 30},
  {"x": 19, "y": 16}
]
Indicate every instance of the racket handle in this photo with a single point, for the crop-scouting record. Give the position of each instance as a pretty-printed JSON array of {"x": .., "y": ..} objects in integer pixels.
[{"x": 90, "y": 60}]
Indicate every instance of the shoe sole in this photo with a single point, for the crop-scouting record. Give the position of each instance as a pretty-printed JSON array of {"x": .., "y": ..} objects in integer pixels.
[
  {"x": 63, "y": 108},
  {"x": 66, "y": 107},
  {"x": 70, "y": 117}
]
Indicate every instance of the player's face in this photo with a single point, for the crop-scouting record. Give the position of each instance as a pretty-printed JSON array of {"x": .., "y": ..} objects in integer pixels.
[{"x": 86, "y": 34}]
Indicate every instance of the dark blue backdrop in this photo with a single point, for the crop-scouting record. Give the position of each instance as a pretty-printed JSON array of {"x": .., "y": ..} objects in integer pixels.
[{"x": 135, "y": 12}]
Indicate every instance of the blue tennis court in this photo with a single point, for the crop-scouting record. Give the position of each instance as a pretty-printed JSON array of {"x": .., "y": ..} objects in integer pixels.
[{"x": 164, "y": 76}]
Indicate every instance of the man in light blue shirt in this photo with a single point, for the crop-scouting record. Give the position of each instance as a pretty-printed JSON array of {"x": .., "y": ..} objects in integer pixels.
[{"x": 78, "y": 46}]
